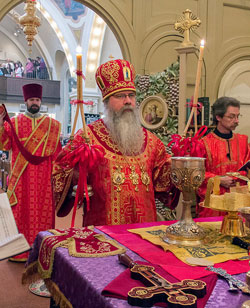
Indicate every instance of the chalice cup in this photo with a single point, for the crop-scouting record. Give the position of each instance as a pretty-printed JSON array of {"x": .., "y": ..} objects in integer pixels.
[{"x": 187, "y": 174}]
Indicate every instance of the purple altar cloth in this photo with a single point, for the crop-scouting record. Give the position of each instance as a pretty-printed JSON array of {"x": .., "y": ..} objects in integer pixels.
[{"x": 82, "y": 280}]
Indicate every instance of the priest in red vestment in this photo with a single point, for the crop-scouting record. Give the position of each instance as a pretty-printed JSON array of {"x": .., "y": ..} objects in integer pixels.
[
  {"x": 29, "y": 186},
  {"x": 225, "y": 151},
  {"x": 135, "y": 168}
]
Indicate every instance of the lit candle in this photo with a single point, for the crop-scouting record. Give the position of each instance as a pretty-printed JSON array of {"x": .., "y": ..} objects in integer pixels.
[{"x": 196, "y": 90}]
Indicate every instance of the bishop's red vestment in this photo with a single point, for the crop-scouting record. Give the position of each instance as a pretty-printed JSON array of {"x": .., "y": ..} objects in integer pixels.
[
  {"x": 222, "y": 156},
  {"x": 124, "y": 186},
  {"x": 29, "y": 186}
]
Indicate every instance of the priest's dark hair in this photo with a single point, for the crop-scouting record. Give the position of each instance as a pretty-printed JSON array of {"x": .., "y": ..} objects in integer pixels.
[{"x": 220, "y": 106}]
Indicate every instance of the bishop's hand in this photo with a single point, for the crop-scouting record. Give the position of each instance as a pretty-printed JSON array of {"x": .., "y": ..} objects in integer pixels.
[{"x": 90, "y": 193}]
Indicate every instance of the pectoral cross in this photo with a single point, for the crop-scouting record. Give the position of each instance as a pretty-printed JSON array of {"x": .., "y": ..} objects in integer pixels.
[
  {"x": 185, "y": 24},
  {"x": 178, "y": 294},
  {"x": 35, "y": 139}
]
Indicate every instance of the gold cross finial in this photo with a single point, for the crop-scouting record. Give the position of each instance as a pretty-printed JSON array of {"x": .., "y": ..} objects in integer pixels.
[{"x": 185, "y": 24}]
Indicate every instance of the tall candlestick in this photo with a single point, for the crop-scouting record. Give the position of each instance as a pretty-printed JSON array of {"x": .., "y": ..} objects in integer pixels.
[
  {"x": 79, "y": 71},
  {"x": 79, "y": 94},
  {"x": 196, "y": 90}
]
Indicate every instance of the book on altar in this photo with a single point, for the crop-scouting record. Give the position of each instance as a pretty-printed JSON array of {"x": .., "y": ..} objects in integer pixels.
[
  {"x": 245, "y": 167},
  {"x": 11, "y": 241}
]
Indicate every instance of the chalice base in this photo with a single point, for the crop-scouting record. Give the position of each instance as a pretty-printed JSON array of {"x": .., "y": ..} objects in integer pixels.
[
  {"x": 184, "y": 233},
  {"x": 246, "y": 304},
  {"x": 233, "y": 225}
]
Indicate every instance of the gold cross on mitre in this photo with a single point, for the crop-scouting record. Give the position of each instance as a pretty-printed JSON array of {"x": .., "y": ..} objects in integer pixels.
[{"x": 185, "y": 24}]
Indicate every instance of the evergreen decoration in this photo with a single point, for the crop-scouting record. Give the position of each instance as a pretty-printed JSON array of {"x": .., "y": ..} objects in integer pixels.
[{"x": 166, "y": 85}]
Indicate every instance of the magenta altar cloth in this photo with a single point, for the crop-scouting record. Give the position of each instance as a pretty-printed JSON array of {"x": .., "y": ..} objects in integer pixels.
[
  {"x": 82, "y": 280},
  {"x": 158, "y": 256}
]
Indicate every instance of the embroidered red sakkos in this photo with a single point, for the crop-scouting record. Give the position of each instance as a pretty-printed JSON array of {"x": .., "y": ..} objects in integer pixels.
[
  {"x": 29, "y": 186},
  {"x": 124, "y": 186},
  {"x": 218, "y": 162}
]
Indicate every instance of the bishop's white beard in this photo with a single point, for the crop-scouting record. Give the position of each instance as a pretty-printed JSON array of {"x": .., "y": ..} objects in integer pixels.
[{"x": 125, "y": 129}]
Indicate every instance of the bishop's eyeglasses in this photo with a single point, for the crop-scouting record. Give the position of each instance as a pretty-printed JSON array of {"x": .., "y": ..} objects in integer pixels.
[{"x": 123, "y": 96}]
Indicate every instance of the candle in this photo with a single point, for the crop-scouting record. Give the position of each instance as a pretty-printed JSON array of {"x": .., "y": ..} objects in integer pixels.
[
  {"x": 197, "y": 83},
  {"x": 196, "y": 90},
  {"x": 79, "y": 71},
  {"x": 79, "y": 87},
  {"x": 79, "y": 95}
]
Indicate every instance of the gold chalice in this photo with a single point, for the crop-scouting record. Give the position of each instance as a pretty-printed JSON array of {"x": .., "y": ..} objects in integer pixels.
[{"x": 187, "y": 174}]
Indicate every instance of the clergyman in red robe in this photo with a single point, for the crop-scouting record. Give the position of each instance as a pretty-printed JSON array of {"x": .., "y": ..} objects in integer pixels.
[
  {"x": 135, "y": 168},
  {"x": 29, "y": 187},
  {"x": 225, "y": 151}
]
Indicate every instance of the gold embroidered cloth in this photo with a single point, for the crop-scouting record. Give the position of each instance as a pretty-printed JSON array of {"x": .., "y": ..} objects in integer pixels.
[
  {"x": 80, "y": 242},
  {"x": 217, "y": 247}
]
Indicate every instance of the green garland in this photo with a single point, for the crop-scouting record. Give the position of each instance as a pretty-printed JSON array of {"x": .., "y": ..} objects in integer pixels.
[{"x": 165, "y": 84}]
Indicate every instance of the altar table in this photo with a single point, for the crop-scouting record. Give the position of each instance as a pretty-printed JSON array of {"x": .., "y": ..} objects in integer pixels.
[{"x": 81, "y": 280}]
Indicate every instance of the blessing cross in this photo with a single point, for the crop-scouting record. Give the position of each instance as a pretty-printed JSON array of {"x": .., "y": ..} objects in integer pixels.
[
  {"x": 179, "y": 294},
  {"x": 185, "y": 24}
]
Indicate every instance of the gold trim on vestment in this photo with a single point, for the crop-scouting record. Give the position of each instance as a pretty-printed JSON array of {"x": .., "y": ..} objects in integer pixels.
[
  {"x": 58, "y": 186},
  {"x": 31, "y": 140},
  {"x": 47, "y": 135}
]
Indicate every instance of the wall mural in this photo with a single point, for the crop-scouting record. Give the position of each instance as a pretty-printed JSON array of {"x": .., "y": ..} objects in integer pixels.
[{"x": 71, "y": 8}]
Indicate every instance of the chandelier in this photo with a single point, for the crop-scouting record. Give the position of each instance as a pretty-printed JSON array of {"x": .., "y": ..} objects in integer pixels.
[{"x": 29, "y": 21}]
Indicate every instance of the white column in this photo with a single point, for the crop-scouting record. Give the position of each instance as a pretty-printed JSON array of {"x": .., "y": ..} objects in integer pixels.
[{"x": 183, "y": 52}]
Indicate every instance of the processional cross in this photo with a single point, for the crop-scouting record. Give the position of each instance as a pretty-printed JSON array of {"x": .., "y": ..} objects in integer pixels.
[
  {"x": 179, "y": 294},
  {"x": 185, "y": 24}
]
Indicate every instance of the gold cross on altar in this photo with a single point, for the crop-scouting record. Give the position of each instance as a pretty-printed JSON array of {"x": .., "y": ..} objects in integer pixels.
[{"x": 185, "y": 24}]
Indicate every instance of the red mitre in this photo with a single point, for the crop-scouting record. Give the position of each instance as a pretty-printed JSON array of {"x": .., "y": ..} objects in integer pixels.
[
  {"x": 32, "y": 90},
  {"x": 115, "y": 76}
]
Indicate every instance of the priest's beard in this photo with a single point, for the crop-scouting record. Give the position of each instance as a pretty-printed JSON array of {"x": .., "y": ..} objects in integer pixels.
[
  {"x": 33, "y": 109},
  {"x": 125, "y": 129}
]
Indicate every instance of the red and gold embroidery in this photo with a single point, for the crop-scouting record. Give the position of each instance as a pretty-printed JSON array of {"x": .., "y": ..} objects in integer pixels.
[
  {"x": 80, "y": 242},
  {"x": 118, "y": 177}
]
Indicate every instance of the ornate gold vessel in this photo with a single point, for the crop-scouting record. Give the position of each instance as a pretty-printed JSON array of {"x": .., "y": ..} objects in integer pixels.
[
  {"x": 231, "y": 203},
  {"x": 187, "y": 174},
  {"x": 233, "y": 225}
]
